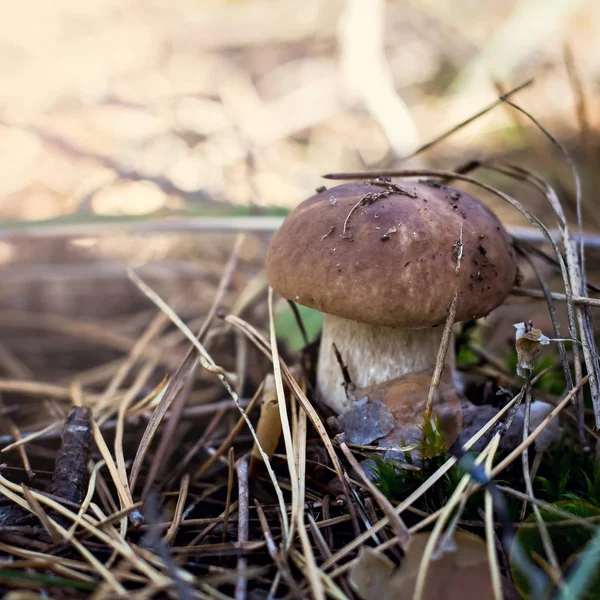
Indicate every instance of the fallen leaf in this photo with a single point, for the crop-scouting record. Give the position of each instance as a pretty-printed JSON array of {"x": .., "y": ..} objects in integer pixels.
[
  {"x": 529, "y": 343},
  {"x": 370, "y": 576},
  {"x": 394, "y": 415},
  {"x": 365, "y": 421},
  {"x": 459, "y": 572},
  {"x": 268, "y": 428},
  {"x": 406, "y": 398}
]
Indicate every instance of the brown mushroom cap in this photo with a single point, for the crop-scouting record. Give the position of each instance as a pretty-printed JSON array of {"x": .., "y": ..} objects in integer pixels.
[{"x": 386, "y": 254}]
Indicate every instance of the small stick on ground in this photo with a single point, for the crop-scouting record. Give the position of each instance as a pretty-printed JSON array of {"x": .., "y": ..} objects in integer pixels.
[
  {"x": 21, "y": 449},
  {"x": 441, "y": 357},
  {"x": 531, "y": 293},
  {"x": 241, "y": 468},
  {"x": 230, "y": 461}
]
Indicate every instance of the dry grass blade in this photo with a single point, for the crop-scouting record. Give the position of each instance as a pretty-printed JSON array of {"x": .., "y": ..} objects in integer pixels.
[
  {"x": 165, "y": 444},
  {"x": 171, "y": 391},
  {"x": 466, "y": 122},
  {"x": 41, "y": 515},
  {"x": 140, "y": 380},
  {"x": 31, "y": 437},
  {"x": 576, "y": 270},
  {"x": 156, "y": 326},
  {"x": 49, "y": 560},
  {"x": 123, "y": 491},
  {"x": 568, "y": 517},
  {"x": 312, "y": 570},
  {"x": 37, "y": 560},
  {"x": 181, "y": 500},
  {"x": 397, "y": 523},
  {"x": 534, "y": 434},
  {"x": 13, "y": 366},
  {"x": 445, "y": 514},
  {"x": 207, "y": 362},
  {"x": 87, "y": 500},
  {"x": 228, "y": 441},
  {"x": 34, "y": 388},
  {"x": 581, "y": 106},
  {"x": 8, "y": 489},
  {"x": 319, "y": 540},
  {"x": 212, "y": 526},
  {"x": 545, "y": 536},
  {"x": 224, "y": 282},
  {"x": 160, "y": 458},
  {"x": 573, "y": 169},
  {"x": 285, "y": 425},
  {"x": 150, "y": 399},
  {"x": 275, "y": 554},
  {"x": 490, "y": 537},
  {"x": 20, "y": 446},
  {"x": 262, "y": 344},
  {"x": 332, "y": 589},
  {"x": 571, "y": 273}
]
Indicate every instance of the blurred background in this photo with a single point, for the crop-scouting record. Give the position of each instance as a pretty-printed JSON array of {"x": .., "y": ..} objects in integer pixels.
[{"x": 146, "y": 133}]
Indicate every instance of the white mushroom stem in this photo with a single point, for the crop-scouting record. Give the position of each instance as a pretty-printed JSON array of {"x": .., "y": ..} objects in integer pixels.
[{"x": 372, "y": 355}]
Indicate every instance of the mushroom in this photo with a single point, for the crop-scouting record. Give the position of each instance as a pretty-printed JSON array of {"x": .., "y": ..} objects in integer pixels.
[{"x": 384, "y": 260}]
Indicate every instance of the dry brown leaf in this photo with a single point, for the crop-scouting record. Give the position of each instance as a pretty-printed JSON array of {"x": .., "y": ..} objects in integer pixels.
[
  {"x": 529, "y": 343},
  {"x": 268, "y": 428},
  {"x": 393, "y": 414},
  {"x": 459, "y": 572},
  {"x": 365, "y": 421},
  {"x": 406, "y": 399},
  {"x": 371, "y": 575}
]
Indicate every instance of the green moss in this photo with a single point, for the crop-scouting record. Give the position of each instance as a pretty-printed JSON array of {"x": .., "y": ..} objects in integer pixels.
[{"x": 566, "y": 473}]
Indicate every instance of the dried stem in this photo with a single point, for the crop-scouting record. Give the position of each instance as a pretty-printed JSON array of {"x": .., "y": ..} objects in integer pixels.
[{"x": 241, "y": 468}]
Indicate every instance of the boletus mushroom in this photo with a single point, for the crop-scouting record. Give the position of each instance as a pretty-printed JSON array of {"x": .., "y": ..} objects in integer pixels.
[{"x": 383, "y": 260}]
